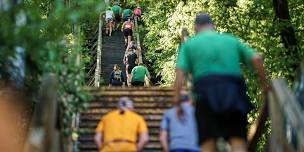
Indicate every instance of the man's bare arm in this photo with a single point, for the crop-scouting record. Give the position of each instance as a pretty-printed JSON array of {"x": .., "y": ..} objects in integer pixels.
[
  {"x": 143, "y": 140},
  {"x": 258, "y": 66},
  {"x": 98, "y": 139},
  {"x": 122, "y": 27},
  {"x": 125, "y": 56},
  {"x": 163, "y": 138},
  {"x": 179, "y": 82}
]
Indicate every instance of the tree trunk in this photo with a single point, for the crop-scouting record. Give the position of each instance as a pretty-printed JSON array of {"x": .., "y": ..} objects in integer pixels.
[{"x": 287, "y": 31}]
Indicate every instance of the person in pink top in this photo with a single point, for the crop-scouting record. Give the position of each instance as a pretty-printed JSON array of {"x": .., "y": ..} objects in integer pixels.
[{"x": 137, "y": 13}]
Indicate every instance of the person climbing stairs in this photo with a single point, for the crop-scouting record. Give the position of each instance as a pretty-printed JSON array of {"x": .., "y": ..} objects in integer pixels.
[{"x": 148, "y": 102}]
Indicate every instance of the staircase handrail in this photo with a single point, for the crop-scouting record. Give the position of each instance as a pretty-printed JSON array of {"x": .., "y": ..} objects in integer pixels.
[
  {"x": 137, "y": 38},
  {"x": 287, "y": 121},
  {"x": 99, "y": 47},
  {"x": 139, "y": 49},
  {"x": 286, "y": 116}
]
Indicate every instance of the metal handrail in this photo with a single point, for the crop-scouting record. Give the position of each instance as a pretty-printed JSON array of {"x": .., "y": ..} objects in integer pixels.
[{"x": 98, "y": 59}]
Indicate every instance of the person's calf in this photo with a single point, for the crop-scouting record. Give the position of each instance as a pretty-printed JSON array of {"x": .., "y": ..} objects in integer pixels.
[
  {"x": 209, "y": 146},
  {"x": 238, "y": 144}
]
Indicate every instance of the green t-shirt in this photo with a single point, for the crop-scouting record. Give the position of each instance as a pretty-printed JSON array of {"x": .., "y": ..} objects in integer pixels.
[
  {"x": 139, "y": 73},
  {"x": 210, "y": 52},
  {"x": 127, "y": 13},
  {"x": 116, "y": 9}
]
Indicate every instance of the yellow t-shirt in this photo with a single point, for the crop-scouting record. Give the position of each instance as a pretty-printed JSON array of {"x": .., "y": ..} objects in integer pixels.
[{"x": 125, "y": 126}]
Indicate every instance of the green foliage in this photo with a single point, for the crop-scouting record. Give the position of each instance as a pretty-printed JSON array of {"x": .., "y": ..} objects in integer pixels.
[
  {"x": 251, "y": 20},
  {"x": 52, "y": 35}
]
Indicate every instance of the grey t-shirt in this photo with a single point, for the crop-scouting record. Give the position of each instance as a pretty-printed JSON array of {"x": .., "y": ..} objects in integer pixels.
[{"x": 182, "y": 134}]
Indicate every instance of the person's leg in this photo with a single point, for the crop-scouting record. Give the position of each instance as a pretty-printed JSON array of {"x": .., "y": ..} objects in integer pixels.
[
  {"x": 129, "y": 71},
  {"x": 235, "y": 125},
  {"x": 129, "y": 79},
  {"x": 209, "y": 146},
  {"x": 238, "y": 144},
  {"x": 207, "y": 124},
  {"x": 110, "y": 27},
  {"x": 125, "y": 32},
  {"x": 114, "y": 25},
  {"x": 107, "y": 27},
  {"x": 129, "y": 38},
  {"x": 127, "y": 75}
]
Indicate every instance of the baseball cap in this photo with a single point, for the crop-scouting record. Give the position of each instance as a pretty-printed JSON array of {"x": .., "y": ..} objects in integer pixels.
[
  {"x": 125, "y": 102},
  {"x": 202, "y": 19},
  {"x": 184, "y": 98}
]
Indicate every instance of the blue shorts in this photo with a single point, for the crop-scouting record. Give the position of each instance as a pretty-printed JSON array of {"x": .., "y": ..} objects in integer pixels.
[{"x": 223, "y": 93}]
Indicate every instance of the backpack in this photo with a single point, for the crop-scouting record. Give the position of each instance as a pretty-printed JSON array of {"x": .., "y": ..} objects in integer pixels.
[
  {"x": 132, "y": 58},
  {"x": 117, "y": 75}
]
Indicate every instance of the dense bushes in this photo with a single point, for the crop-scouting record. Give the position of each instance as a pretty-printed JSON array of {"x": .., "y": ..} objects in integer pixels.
[{"x": 50, "y": 36}]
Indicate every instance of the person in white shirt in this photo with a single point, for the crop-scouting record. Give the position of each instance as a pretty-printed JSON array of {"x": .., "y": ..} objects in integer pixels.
[{"x": 109, "y": 20}]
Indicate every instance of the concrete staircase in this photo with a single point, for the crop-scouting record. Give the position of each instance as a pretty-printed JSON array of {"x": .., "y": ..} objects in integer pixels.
[{"x": 149, "y": 102}]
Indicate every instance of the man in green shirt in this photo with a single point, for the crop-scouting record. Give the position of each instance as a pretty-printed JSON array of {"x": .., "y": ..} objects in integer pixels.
[
  {"x": 222, "y": 105},
  {"x": 138, "y": 75},
  {"x": 117, "y": 11},
  {"x": 126, "y": 13}
]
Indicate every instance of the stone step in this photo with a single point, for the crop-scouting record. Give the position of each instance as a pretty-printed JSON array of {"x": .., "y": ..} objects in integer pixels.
[
  {"x": 93, "y": 124},
  {"x": 102, "y": 89},
  {"x": 133, "y": 93},
  {"x": 91, "y": 131},
  {"x": 90, "y": 139},
  {"x": 151, "y": 147},
  {"x": 97, "y": 117},
  {"x": 99, "y": 111},
  {"x": 138, "y": 103}
]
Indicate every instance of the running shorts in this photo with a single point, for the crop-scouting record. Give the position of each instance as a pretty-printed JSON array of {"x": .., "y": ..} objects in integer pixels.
[{"x": 128, "y": 32}]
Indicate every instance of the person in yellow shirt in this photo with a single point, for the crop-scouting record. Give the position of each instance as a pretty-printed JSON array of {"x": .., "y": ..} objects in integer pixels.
[{"x": 122, "y": 130}]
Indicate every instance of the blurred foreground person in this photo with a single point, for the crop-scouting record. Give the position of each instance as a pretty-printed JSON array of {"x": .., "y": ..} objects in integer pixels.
[
  {"x": 222, "y": 105},
  {"x": 116, "y": 78},
  {"x": 176, "y": 135},
  {"x": 122, "y": 130},
  {"x": 14, "y": 119}
]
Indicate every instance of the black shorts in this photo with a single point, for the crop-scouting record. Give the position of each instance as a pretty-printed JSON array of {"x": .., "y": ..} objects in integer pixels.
[
  {"x": 108, "y": 20},
  {"x": 117, "y": 18},
  {"x": 138, "y": 83},
  {"x": 125, "y": 19},
  {"x": 212, "y": 125},
  {"x": 128, "y": 32},
  {"x": 130, "y": 68}
]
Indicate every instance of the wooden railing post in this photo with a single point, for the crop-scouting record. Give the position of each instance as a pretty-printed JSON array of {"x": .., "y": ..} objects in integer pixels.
[
  {"x": 287, "y": 122},
  {"x": 44, "y": 136}
]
